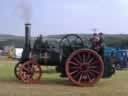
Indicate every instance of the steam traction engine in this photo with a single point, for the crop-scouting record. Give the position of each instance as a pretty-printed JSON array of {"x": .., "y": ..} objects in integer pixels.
[{"x": 73, "y": 59}]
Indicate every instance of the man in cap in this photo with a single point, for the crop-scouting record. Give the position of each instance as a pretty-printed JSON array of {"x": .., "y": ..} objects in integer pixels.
[{"x": 94, "y": 42}]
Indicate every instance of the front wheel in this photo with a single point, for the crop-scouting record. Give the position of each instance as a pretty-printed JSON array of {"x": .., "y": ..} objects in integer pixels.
[
  {"x": 16, "y": 70},
  {"x": 30, "y": 72}
]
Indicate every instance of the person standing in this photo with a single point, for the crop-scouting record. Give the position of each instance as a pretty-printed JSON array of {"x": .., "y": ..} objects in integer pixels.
[
  {"x": 101, "y": 44},
  {"x": 94, "y": 41},
  {"x": 101, "y": 37},
  {"x": 39, "y": 45}
]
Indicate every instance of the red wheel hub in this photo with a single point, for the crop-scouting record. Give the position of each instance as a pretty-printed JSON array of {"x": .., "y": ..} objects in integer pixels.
[{"x": 83, "y": 67}]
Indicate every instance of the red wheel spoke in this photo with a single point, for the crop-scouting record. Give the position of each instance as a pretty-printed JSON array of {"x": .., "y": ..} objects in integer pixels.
[
  {"x": 74, "y": 72},
  {"x": 22, "y": 73},
  {"x": 84, "y": 76},
  {"x": 77, "y": 74},
  {"x": 95, "y": 62},
  {"x": 79, "y": 57},
  {"x": 91, "y": 59},
  {"x": 74, "y": 67},
  {"x": 92, "y": 67},
  {"x": 71, "y": 62},
  {"x": 26, "y": 69},
  {"x": 95, "y": 71},
  {"x": 88, "y": 76},
  {"x": 80, "y": 77},
  {"x": 88, "y": 57},
  {"x": 77, "y": 60},
  {"x": 92, "y": 74}
]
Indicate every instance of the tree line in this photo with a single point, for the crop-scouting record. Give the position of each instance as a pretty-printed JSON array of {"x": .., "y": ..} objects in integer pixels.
[{"x": 117, "y": 41}]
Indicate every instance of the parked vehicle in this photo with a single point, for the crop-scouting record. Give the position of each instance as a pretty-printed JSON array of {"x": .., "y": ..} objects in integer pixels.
[{"x": 119, "y": 56}]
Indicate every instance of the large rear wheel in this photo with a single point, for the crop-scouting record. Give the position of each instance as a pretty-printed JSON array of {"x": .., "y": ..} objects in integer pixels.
[{"x": 84, "y": 67}]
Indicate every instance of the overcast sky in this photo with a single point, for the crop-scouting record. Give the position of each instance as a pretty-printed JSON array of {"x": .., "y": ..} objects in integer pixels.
[{"x": 66, "y": 16}]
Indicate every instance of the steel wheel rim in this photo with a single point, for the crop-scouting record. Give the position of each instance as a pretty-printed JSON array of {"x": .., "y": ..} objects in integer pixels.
[{"x": 84, "y": 73}]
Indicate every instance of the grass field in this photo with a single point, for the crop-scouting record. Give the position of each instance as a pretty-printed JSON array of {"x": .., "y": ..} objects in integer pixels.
[{"x": 52, "y": 85}]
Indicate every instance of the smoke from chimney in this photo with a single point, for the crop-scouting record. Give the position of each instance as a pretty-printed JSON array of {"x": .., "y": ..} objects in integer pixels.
[{"x": 24, "y": 10}]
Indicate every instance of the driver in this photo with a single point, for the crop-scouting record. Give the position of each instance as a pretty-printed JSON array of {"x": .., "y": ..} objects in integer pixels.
[
  {"x": 95, "y": 42},
  {"x": 102, "y": 44},
  {"x": 39, "y": 44}
]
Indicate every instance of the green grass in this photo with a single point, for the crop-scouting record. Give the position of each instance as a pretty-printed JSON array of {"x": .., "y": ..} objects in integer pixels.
[{"x": 52, "y": 85}]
